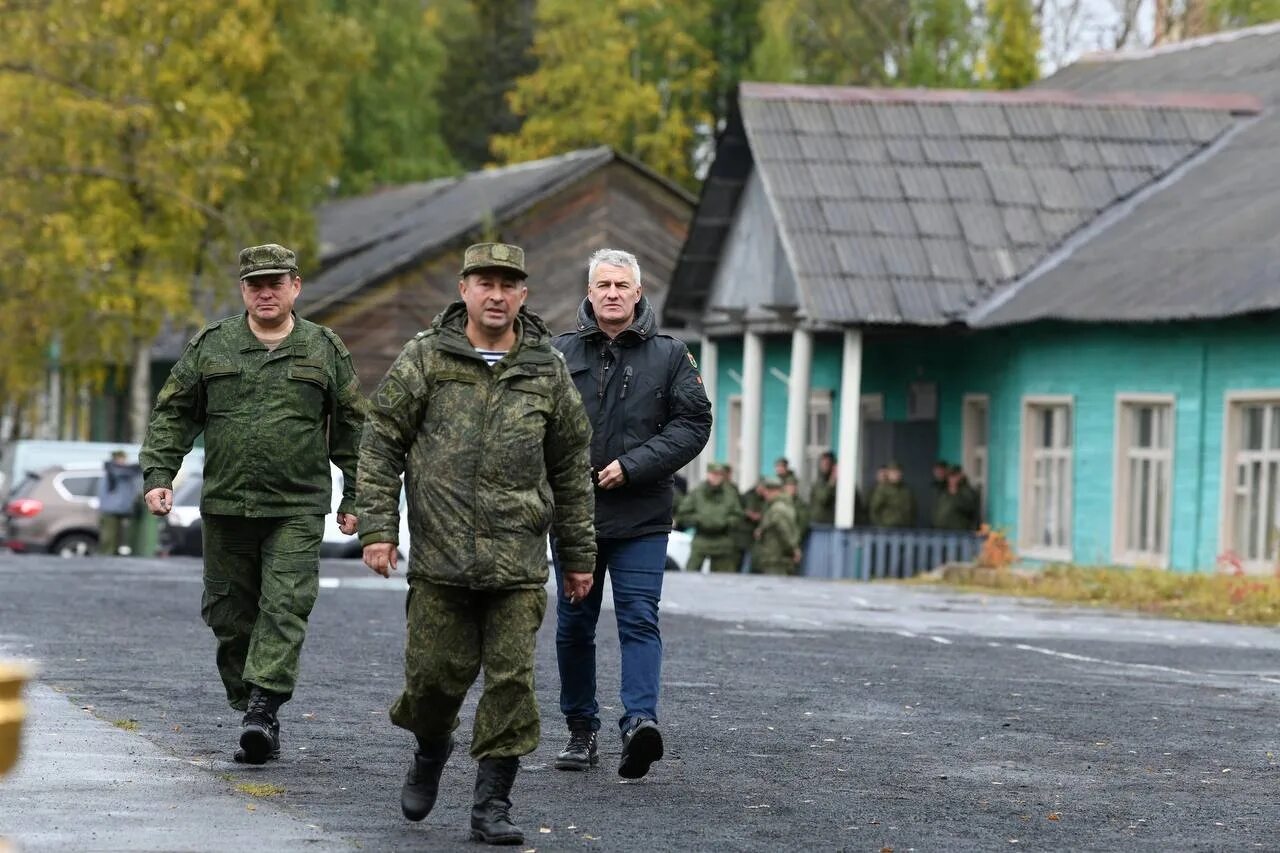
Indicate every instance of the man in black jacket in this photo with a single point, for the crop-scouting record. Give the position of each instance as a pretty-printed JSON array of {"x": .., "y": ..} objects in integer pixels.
[{"x": 649, "y": 416}]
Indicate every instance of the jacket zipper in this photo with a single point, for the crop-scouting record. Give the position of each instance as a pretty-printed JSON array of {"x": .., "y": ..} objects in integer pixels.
[{"x": 626, "y": 380}]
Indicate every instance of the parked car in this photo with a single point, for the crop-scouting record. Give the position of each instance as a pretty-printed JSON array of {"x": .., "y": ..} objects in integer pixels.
[
  {"x": 27, "y": 456},
  {"x": 54, "y": 510}
]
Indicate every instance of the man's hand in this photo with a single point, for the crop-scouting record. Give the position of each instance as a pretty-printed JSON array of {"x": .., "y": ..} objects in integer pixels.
[
  {"x": 159, "y": 501},
  {"x": 347, "y": 522},
  {"x": 381, "y": 557},
  {"x": 611, "y": 476},
  {"x": 577, "y": 585}
]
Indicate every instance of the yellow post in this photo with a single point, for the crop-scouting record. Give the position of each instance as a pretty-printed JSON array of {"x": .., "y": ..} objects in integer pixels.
[{"x": 12, "y": 712}]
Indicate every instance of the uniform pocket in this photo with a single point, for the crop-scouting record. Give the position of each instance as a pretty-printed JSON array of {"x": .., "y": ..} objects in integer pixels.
[
  {"x": 292, "y": 588},
  {"x": 308, "y": 384},
  {"x": 221, "y": 381},
  {"x": 217, "y": 608}
]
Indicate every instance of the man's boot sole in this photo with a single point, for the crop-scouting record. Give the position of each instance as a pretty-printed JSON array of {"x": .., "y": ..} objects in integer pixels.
[
  {"x": 575, "y": 764},
  {"x": 510, "y": 838},
  {"x": 256, "y": 743},
  {"x": 644, "y": 749}
]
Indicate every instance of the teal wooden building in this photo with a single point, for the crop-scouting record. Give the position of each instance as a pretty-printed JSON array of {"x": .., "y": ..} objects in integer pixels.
[{"x": 1072, "y": 290}]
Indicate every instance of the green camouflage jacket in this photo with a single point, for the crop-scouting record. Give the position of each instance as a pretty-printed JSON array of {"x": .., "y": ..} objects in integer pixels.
[
  {"x": 822, "y": 500},
  {"x": 714, "y": 514},
  {"x": 892, "y": 505},
  {"x": 493, "y": 458},
  {"x": 958, "y": 511},
  {"x": 779, "y": 535},
  {"x": 272, "y": 421}
]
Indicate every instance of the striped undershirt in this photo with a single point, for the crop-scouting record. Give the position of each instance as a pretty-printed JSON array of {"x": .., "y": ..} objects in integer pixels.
[{"x": 491, "y": 356}]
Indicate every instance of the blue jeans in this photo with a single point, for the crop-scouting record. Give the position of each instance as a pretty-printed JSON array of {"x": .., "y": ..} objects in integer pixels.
[{"x": 635, "y": 568}]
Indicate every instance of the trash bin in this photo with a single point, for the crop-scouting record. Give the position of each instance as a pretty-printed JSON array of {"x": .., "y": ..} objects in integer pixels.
[{"x": 144, "y": 532}]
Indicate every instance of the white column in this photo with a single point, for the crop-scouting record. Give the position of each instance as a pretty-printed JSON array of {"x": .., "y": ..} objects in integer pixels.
[
  {"x": 709, "y": 365},
  {"x": 850, "y": 425},
  {"x": 798, "y": 399},
  {"x": 752, "y": 408}
]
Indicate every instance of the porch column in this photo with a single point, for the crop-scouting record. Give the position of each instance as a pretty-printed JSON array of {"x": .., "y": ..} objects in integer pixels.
[
  {"x": 752, "y": 408},
  {"x": 798, "y": 399},
  {"x": 709, "y": 366},
  {"x": 850, "y": 424}
]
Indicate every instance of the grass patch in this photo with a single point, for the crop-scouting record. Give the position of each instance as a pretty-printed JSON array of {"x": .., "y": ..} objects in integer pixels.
[
  {"x": 126, "y": 725},
  {"x": 1240, "y": 599},
  {"x": 260, "y": 789}
]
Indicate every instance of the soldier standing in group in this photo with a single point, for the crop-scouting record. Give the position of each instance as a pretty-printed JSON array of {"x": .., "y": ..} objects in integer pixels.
[
  {"x": 480, "y": 415},
  {"x": 957, "y": 506},
  {"x": 892, "y": 504},
  {"x": 822, "y": 497},
  {"x": 791, "y": 488},
  {"x": 276, "y": 398},
  {"x": 778, "y": 536},
  {"x": 714, "y": 512}
]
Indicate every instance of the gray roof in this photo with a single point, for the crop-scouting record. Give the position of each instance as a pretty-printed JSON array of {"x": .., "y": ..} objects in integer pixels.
[
  {"x": 1204, "y": 246},
  {"x": 363, "y": 240},
  {"x": 913, "y": 206}
]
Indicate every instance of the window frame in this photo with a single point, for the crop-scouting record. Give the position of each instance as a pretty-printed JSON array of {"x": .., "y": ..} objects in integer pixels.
[
  {"x": 1121, "y": 487},
  {"x": 821, "y": 400},
  {"x": 968, "y": 446},
  {"x": 1028, "y": 548},
  {"x": 733, "y": 419},
  {"x": 1232, "y": 401}
]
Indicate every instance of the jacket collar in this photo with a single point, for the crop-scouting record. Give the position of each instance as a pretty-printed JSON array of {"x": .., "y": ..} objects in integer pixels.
[{"x": 533, "y": 339}]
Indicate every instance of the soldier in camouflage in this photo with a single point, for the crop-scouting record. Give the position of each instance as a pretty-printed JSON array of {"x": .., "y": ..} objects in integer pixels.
[
  {"x": 892, "y": 504},
  {"x": 481, "y": 416},
  {"x": 714, "y": 511},
  {"x": 276, "y": 398},
  {"x": 778, "y": 536}
]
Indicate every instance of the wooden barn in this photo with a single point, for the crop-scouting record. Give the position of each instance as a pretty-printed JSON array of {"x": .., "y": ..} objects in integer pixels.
[{"x": 389, "y": 260}]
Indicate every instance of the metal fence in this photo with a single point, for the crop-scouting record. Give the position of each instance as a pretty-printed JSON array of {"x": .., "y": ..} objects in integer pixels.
[{"x": 865, "y": 553}]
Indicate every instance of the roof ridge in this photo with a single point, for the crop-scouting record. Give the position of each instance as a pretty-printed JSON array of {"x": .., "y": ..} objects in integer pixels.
[
  {"x": 1224, "y": 37},
  {"x": 1227, "y": 102},
  {"x": 542, "y": 162}
]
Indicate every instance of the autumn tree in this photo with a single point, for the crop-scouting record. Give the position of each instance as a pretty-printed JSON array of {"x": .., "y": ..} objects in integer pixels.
[
  {"x": 625, "y": 73},
  {"x": 143, "y": 143},
  {"x": 1013, "y": 44}
]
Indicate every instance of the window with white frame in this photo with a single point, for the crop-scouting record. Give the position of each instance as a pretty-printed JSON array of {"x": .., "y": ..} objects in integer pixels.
[
  {"x": 818, "y": 436},
  {"x": 975, "y": 425},
  {"x": 1253, "y": 478},
  {"x": 735, "y": 434},
  {"x": 1047, "y": 440},
  {"x": 1144, "y": 479}
]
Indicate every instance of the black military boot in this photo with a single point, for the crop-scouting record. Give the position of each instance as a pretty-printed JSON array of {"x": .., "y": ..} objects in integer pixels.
[
  {"x": 641, "y": 746},
  {"x": 241, "y": 758},
  {"x": 581, "y": 753},
  {"x": 422, "y": 783},
  {"x": 491, "y": 814},
  {"x": 260, "y": 730}
]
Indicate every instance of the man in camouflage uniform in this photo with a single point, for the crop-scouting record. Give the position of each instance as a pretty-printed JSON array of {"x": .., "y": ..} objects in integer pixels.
[
  {"x": 778, "y": 536},
  {"x": 892, "y": 504},
  {"x": 481, "y": 416},
  {"x": 958, "y": 506},
  {"x": 714, "y": 512},
  {"x": 791, "y": 488},
  {"x": 276, "y": 398},
  {"x": 822, "y": 497}
]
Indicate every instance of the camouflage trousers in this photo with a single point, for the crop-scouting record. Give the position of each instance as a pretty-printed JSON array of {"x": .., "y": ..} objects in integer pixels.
[
  {"x": 261, "y": 577},
  {"x": 722, "y": 559},
  {"x": 113, "y": 531},
  {"x": 452, "y": 633}
]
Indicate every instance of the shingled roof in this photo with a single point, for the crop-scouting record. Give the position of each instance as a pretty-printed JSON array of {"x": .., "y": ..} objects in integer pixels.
[
  {"x": 1206, "y": 246},
  {"x": 913, "y": 206}
]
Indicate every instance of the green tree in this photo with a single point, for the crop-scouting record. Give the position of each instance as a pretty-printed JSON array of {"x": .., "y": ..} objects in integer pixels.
[
  {"x": 625, "y": 73},
  {"x": 393, "y": 133},
  {"x": 940, "y": 50},
  {"x": 813, "y": 41},
  {"x": 473, "y": 92},
  {"x": 1013, "y": 44},
  {"x": 1233, "y": 14},
  {"x": 144, "y": 142}
]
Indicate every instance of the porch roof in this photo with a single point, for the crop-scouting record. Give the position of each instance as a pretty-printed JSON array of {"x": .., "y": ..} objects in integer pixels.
[
  {"x": 914, "y": 206},
  {"x": 1206, "y": 246}
]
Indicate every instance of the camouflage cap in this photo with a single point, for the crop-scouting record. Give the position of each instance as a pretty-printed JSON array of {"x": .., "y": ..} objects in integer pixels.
[
  {"x": 716, "y": 467},
  {"x": 771, "y": 483},
  {"x": 269, "y": 259},
  {"x": 490, "y": 255}
]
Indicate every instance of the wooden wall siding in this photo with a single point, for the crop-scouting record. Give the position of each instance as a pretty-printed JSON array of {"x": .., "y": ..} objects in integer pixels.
[{"x": 614, "y": 206}]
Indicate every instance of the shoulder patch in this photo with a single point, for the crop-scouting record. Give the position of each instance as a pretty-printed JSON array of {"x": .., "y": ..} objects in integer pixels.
[
  {"x": 390, "y": 394},
  {"x": 692, "y": 361}
]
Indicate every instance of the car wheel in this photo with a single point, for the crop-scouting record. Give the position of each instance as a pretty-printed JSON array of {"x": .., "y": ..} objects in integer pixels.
[{"x": 75, "y": 545}]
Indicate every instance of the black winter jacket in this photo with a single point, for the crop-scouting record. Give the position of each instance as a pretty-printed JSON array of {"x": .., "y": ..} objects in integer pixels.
[{"x": 648, "y": 410}]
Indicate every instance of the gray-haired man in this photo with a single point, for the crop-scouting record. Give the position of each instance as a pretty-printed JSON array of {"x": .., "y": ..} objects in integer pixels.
[{"x": 650, "y": 416}]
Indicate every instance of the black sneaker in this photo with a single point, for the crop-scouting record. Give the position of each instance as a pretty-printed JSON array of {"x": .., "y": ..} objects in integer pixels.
[
  {"x": 260, "y": 730},
  {"x": 581, "y": 753},
  {"x": 641, "y": 746}
]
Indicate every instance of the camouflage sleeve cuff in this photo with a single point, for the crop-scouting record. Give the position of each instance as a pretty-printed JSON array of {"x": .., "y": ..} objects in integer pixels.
[
  {"x": 583, "y": 569},
  {"x": 375, "y": 537},
  {"x": 348, "y": 505},
  {"x": 156, "y": 480}
]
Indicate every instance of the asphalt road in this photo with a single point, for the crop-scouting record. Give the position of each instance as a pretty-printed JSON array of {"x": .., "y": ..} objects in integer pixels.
[{"x": 798, "y": 715}]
